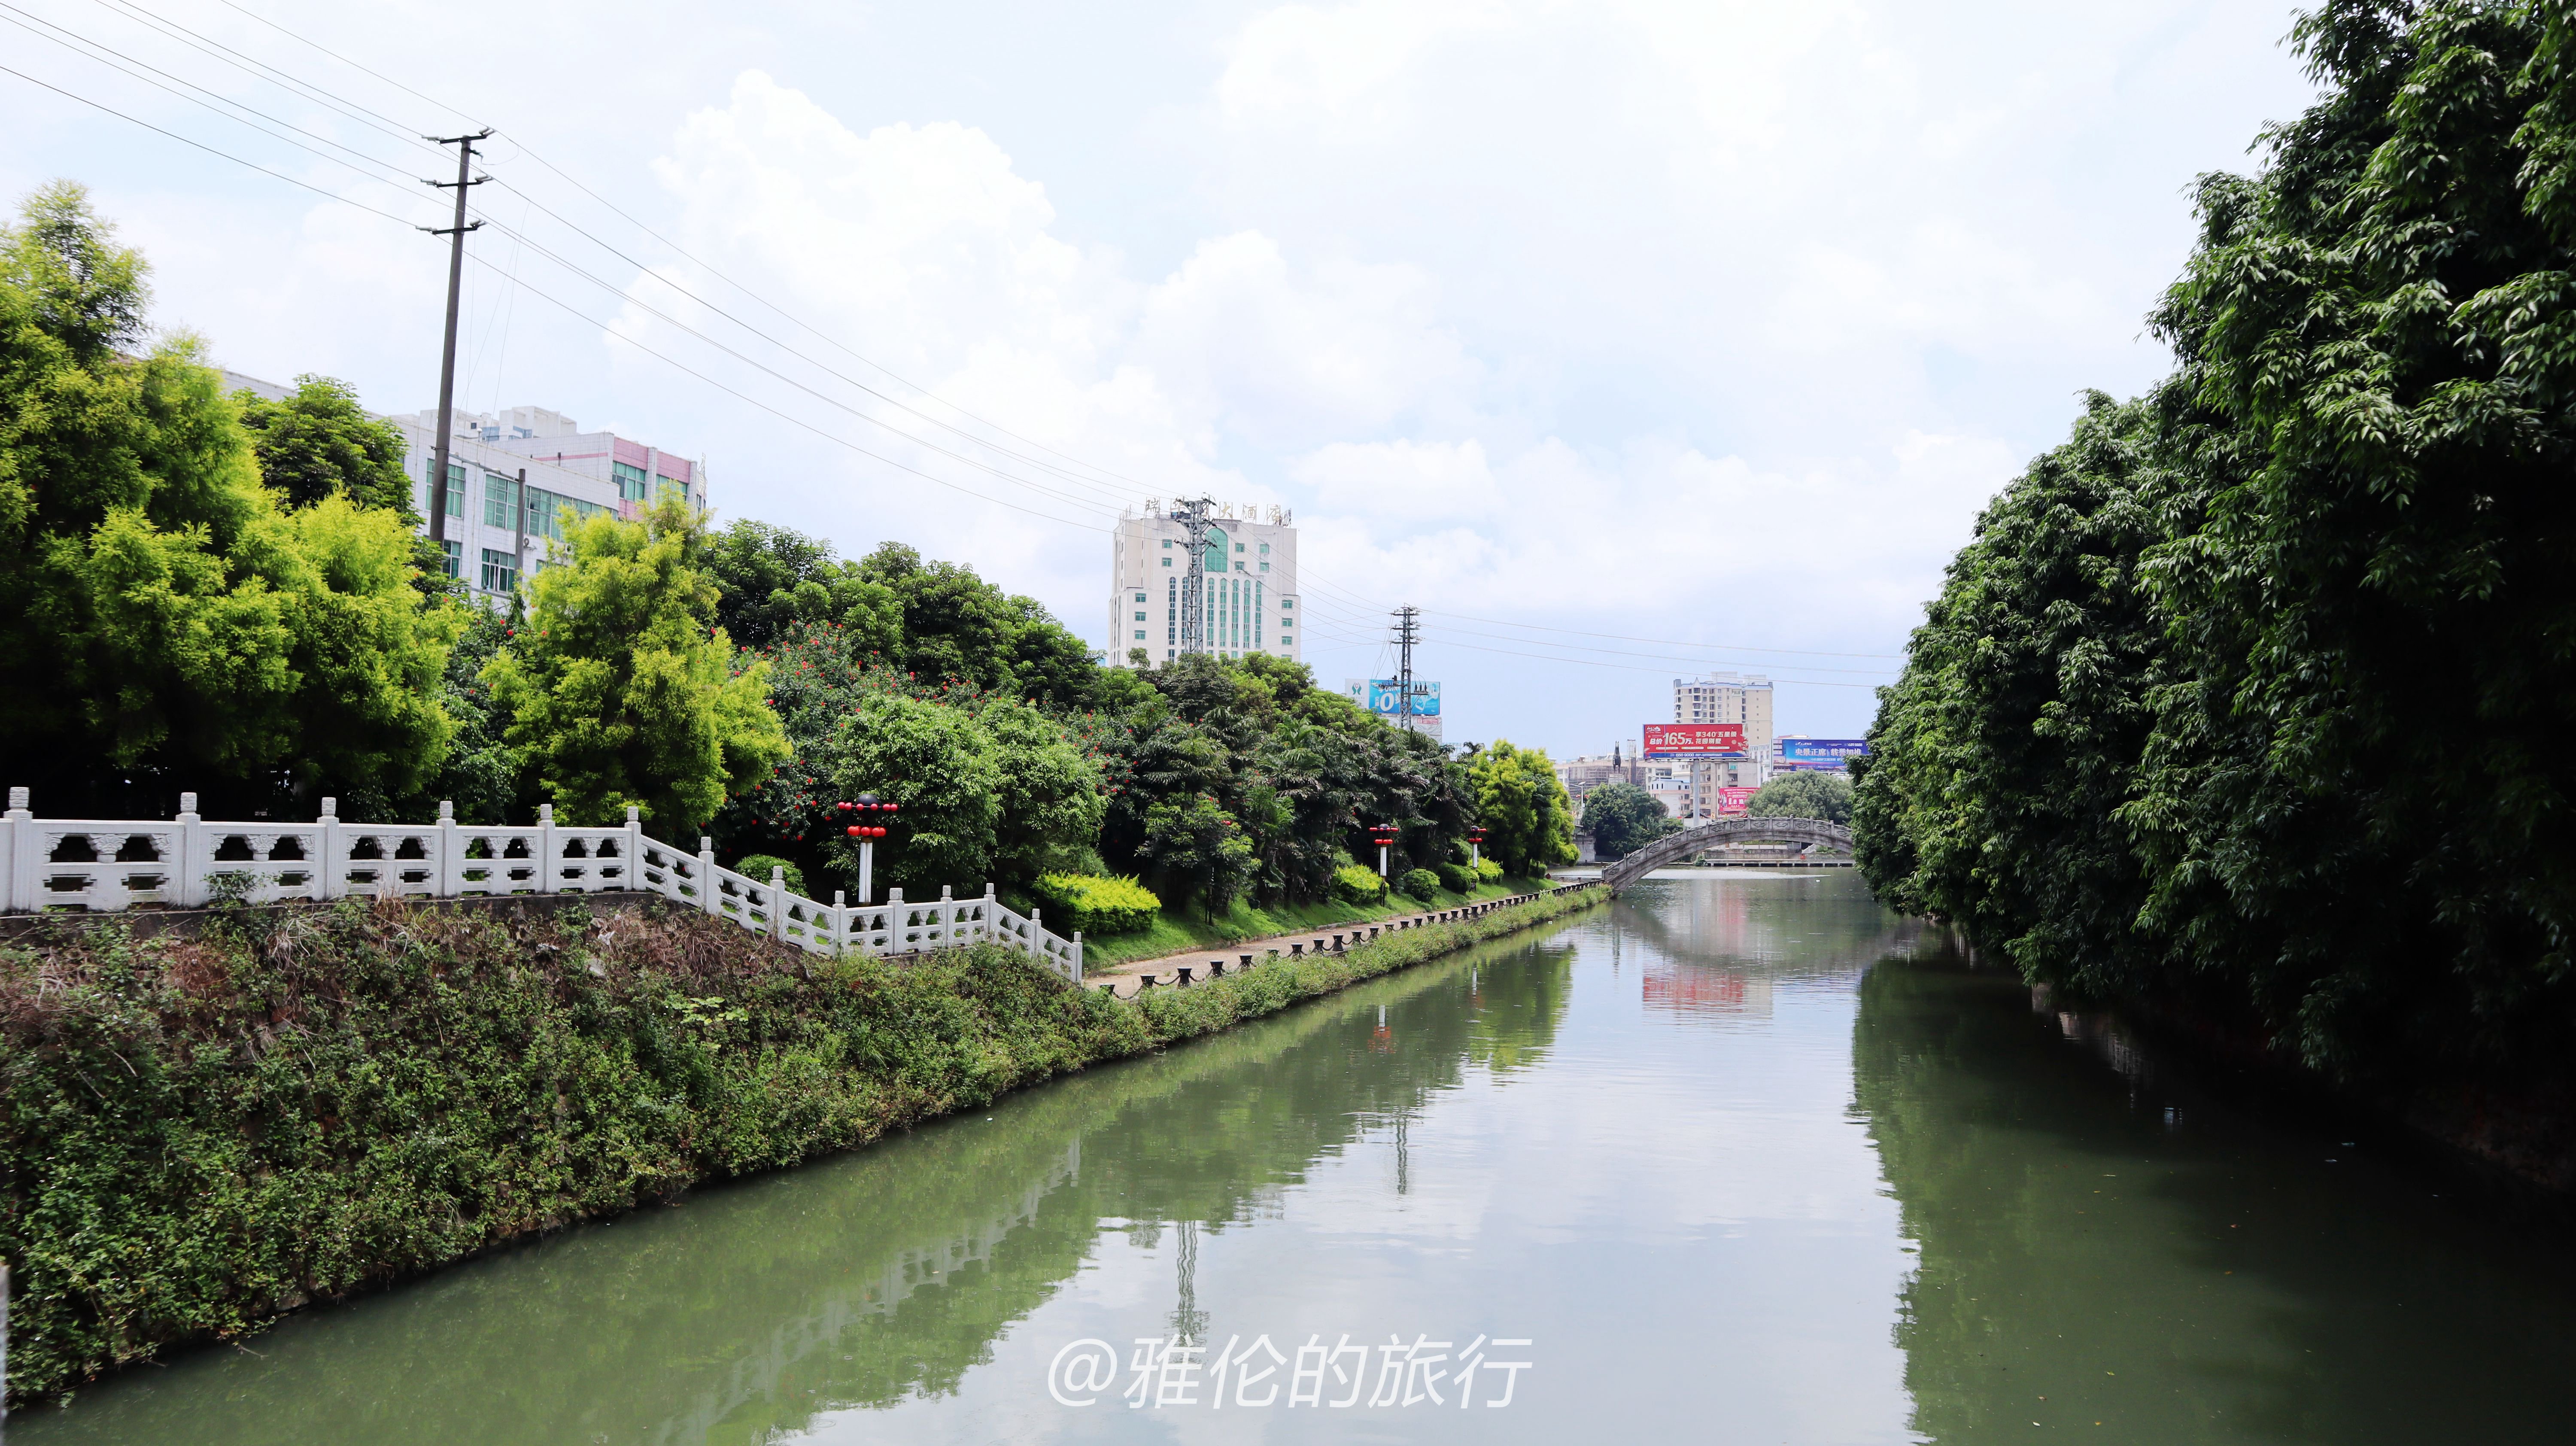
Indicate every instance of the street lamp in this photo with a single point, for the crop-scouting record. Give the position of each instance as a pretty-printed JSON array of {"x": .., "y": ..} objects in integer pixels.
[
  {"x": 1385, "y": 835},
  {"x": 1475, "y": 845},
  {"x": 867, "y": 834}
]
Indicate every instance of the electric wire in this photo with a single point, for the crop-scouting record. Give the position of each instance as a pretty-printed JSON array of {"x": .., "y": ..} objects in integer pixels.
[{"x": 261, "y": 70}]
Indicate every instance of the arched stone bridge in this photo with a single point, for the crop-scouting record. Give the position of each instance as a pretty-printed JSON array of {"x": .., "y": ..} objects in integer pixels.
[{"x": 1812, "y": 831}]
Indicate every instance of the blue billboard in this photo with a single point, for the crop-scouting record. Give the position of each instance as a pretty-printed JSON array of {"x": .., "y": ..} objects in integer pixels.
[
  {"x": 1382, "y": 694},
  {"x": 1817, "y": 752}
]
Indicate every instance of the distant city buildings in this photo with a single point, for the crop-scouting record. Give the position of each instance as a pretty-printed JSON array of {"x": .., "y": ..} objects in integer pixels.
[
  {"x": 1251, "y": 570},
  {"x": 499, "y": 529},
  {"x": 1743, "y": 699}
]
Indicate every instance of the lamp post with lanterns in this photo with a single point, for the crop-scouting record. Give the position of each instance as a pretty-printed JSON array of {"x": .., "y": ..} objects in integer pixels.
[
  {"x": 1475, "y": 847},
  {"x": 1385, "y": 835},
  {"x": 867, "y": 834}
]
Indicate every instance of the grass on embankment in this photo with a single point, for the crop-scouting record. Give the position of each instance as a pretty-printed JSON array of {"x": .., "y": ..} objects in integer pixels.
[
  {"x": 198, "y": 1134},
  {"x": 1179, "y": 930}
]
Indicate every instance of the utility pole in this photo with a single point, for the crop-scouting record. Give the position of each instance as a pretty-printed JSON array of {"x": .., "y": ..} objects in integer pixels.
[
  {"x": 447, "y": 359},
  {"x": 1408, "y": 631},
  {"x": 1194, "y": 517}
]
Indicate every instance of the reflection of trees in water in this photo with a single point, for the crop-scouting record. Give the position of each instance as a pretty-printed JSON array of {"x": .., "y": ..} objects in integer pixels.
[
  {"x": 863, "y": 1280},
  {"x": 2078, "y": 1227}
]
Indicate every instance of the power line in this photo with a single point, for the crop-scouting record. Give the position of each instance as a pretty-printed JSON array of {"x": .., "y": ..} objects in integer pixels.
[{"x": 1668, "y": 642}]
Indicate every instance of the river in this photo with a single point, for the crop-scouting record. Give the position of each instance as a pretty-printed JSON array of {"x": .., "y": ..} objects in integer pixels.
[{"x": 1739, "y": 1158}]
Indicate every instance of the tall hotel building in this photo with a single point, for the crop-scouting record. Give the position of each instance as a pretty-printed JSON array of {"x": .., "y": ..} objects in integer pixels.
[
  {"x": 1251, "y": 583},
  {"x": 1727, "y": 698}
]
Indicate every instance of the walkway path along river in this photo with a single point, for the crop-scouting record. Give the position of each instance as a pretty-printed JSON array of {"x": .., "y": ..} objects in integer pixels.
[{"x": 1740, "y": 1158}]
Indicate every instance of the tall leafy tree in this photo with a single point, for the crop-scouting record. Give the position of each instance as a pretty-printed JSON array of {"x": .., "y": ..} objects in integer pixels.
[
  {"x": 619, "y": 687},
  {"x": 1804, "y": 794},
  {"x": 319, "y": 442},
  {"x": 1624, "y": 818},
  {"x": 772, "y": 579},
  {"x": 1528, "y": 822},
  {"x": 163, "y": 622}
]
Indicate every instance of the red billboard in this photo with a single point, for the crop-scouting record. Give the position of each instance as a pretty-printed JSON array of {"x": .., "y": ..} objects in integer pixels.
[
  {"x": 1694, "y": 740},
  {"x": 1731, "y": 801}
]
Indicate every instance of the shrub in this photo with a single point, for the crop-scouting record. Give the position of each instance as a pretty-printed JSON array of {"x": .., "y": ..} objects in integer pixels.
[
  {"x": 757, "y": 866},
  {"x": 1097, "y": 904},
  {"x": 1456, "y": 878},
  {"x": 1358, "y": 884},
  {"x": 1489, "y": 871},
  {"x": 1422, "y": 884}
]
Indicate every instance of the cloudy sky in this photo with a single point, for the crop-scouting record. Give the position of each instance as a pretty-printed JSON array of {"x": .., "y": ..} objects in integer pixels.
[{"x": 1625, "y": 339}]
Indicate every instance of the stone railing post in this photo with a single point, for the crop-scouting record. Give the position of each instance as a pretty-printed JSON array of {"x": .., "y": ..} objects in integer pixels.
[
  {"x": 1037, "y": 932},
  {"x": 894, "y": 921},
  {"x": 546, "y": 848},
  {"x": 947, "y": 916},
  {"x": 335, "y": 863},
  {"x": 840, "y": 919},
  {"x": 192, "y": 854},
  {"x": 1077, "y": 956},
  {"x": 18, "y": 856},
  {"x": 448, "y": 880},
  {"x": 710, "y": 897},
  {"x": 631, "y": 872},
  {"x": 990, "y": 929},
  {"x": 777, "y": 902}
]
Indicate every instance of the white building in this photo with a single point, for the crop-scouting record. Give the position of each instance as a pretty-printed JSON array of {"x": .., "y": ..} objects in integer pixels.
[
  {"x": 1252, "y": 598},
  {"x": 1740, "y": 698},
  {"x": 497, "y": 528}
]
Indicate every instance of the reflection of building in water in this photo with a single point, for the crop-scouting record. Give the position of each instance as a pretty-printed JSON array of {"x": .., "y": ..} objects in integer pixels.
[{"x": 1700, "y": 989}]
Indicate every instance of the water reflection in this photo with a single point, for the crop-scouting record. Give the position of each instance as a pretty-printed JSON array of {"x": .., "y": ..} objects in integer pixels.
[
  {"x": 877, "y": 1277},
  {"x": 1750, "y": 1159},
  {"x": 2103, "y": 1243}
]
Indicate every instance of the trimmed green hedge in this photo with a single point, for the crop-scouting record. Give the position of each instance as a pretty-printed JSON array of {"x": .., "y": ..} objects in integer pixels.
[
  {"x": 1358, "y": 884},
  {"x": 757, "y": 866},
  {"x": 1488, "y": 871},
  {"x": 199, "y": 1134},
  {"x": 1097, "y": 904},
  {"x": 1457, "y": 878},
  {"x": 1422, "y": 884}
]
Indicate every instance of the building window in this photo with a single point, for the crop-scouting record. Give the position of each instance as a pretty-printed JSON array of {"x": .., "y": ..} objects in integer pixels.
[
  {"x": 1140, "y": 635},
  {"x": 1167, "y": 562},
  {"x": 455, "y": 486},
  {"x": 1265, "y": 547},
  {"x": 1287, "y": 604},
  {"x": 500, "y": 571},
  {"x": 500, "y": 495},
  {"x": 670, "y": 487},
  {"x": 1140, "y": 617},
  {"x": 1238, "y": 547},
  {"x": 1265, "y": 567},
  {"x": 1140, "y": 597},
  {"x": 455, "y": 563},
  {"x": 630, "y": 481},
  {"x": 1167, "y": 544}
]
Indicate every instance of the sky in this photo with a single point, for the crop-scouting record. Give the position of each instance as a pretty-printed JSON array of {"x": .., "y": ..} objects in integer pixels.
[{"x": 1627, "y": 340}]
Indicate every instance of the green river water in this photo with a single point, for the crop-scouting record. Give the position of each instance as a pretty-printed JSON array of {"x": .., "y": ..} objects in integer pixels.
[{"x": 1741, "y": 1157}]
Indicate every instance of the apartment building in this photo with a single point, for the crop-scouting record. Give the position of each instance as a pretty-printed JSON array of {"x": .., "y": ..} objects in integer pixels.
[{"x": 1251, "y": 570}]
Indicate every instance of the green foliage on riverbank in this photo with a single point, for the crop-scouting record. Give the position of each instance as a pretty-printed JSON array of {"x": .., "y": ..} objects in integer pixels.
[
  {"x": 2252, "y": 698},
  {"x": 197, "y": 1134}
]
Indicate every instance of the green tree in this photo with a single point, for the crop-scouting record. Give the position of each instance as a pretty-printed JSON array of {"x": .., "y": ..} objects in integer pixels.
[
  {"x": 620, "y": 690},
  {"x": 1049, "y": 803},
  {"x": 1199, "y": 851},
  {"x": 956, "y": 625},
  {"x": 1529, "y": 825},
  {"x": 771, "y": 579},
  {"x": 1624, "y": 818},
  {"x": 163, "y": 623},
  {"x": 941, "y": 770},
  {"x": 1804, "y": 794},
  {"x": 319, "y": 442}
]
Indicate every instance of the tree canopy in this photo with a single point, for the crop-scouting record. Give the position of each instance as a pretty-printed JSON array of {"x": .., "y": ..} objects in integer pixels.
[
  {"x": 2252, "y": 697},
  {"x": 1624, "y": 818}
]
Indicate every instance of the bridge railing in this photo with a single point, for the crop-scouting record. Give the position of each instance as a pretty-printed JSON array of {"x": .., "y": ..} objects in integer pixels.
[{"x": 110, "y": 865}]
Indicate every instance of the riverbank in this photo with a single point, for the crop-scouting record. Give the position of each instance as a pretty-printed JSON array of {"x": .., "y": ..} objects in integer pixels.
[
  {"x": 203, "y": 1133},
  {"x": 1178, "y": 932}
]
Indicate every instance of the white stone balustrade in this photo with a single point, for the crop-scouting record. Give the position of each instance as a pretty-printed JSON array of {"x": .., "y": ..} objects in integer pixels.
[{"x": 107, "y": 865}]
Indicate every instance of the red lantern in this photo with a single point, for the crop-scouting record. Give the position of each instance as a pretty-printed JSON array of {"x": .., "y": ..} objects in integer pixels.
[{"x": 857, "y": 832}]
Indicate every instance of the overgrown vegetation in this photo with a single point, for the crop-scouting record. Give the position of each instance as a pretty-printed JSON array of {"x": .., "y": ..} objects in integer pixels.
[
  {"x": 2252, "y": 699},
  {"x": 201, "y": 1133}
]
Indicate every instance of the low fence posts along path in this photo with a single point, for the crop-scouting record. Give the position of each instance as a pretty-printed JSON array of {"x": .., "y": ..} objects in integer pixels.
[{"x": 110, "y": 865}]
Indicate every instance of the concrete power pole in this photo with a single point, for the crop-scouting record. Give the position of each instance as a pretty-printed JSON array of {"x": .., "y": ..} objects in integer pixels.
[
  {"x": 447, "y": 358},
  {"x": 1194, "y": 517}
]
